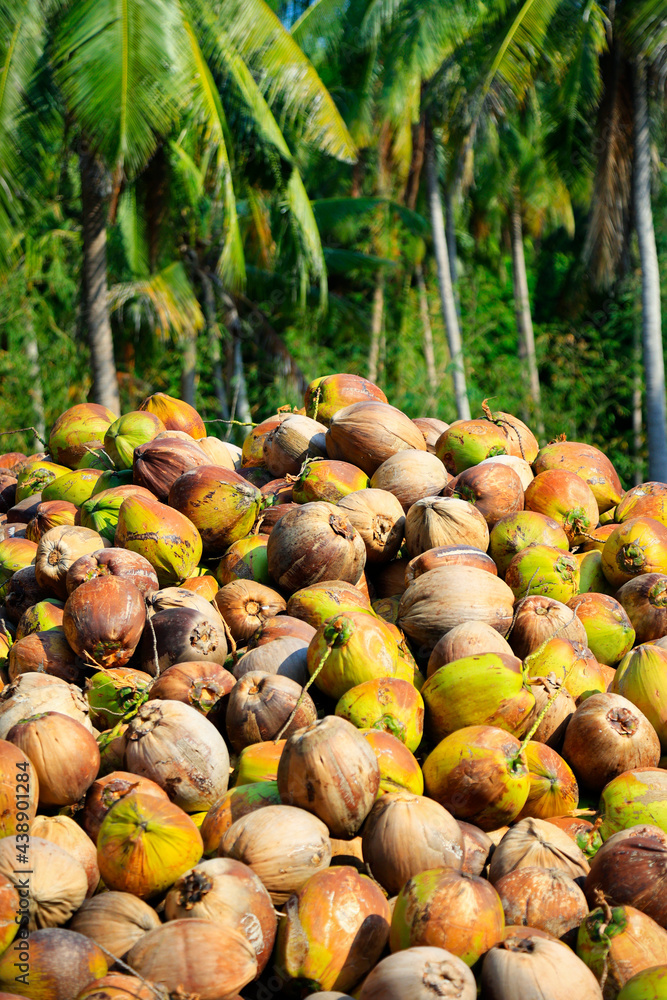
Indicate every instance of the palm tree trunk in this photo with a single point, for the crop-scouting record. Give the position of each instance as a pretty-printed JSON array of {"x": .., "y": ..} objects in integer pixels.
[
  {"x": 637, "y": 436},
  {"x": 240, "y": 386},
  {"x": 445, "y": 283},
  {"x": 654, "y": 362},
  {"x": 524, "y": 320},
  {"x": 189, "y": 369},
  {"x": 36, "y": 392},
  {"x": 451, "y": 247},
  {"x": 94, "y": 195},
  {"x": 376, "y": 327},
  {"x": 427, "y": 332},
  {"x": 214, "y": 338}
]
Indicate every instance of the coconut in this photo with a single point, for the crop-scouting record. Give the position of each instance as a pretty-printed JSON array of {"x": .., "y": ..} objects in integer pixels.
[
  {"x": 436, "y": 521},
  {"x": 291, "y": 442},
  {"x": 325, "y": 396},
  {"x": 78, "y": 431},
  {"x": 287, "y": 657},
  {"x": 58, "y": 548},
  {"x": 196, "y": 958},
  {"x": 477, "y": 846},
  {"x": 221, "y": 453},
  {"x": 283, "y": 845},
  {"x": 468, "y": 442},
  {"x": 101, "y": 511},
  {"x": 638, "y": 796},
  {"x": 535, "y": 842},
  {"x": 177, "y": 635},
  {"x": 103, "y": 620},
  {"x": 565, "y": 497},
  {"x": 145, "y": 843},
  {"x": 32, "y": 479},
  {"x": 245, "y": 559},
  {"x": 32, "y": 693},
  {"x": 63, "y": 831},
  {"x": 112, "y": 693},
  {"x": 467, "y": 639},
  {"x": 366, "y": 434},
  {"x": 314, "y": 542},
  {"x": 59, "y": 965},
  {"x": 258, "y": 762},
  {"x": 129, "y": 432},
  {"x": 115, "y": 921},
  {"x": 281, "y": 627},
  {"x": 587, "y": 462},
  {"x": 647, "y": 985},
  {"x": 245, "y": 605},
  {"x": 553, "y": 786},
  {"x": 73, "y": 487},
  {"x": 167, "y": 539},
  {"x": 65, "y": 756},
  {"x": 606, "y": 736},
  {"x": 609, "y": 631},
  {"x": 520, "y": 967},
  {"x": 175, "y": 746},
  {"x": 230, "y": 894},
  {"x": 488, "y": 689},
  {"x": 120, "y": 563},
  {"x": 515, "y": 532},
  {"x": 15, "y": 554},
  {"x": 333, "y": 945},
  {"x": 637, "y": 546},
  {"x": 47, "y": 652},
  {"x": 406, "y": 834},
  {"x": 644, "y": 599},
  {"x": 22, "y": 592},
  {"x": 201, "y": 684},
  {"x": 538, "y": 619},
  {"x": 544, "y": 570},
  {"x": 387, "y": 703},
  {"x": 440, "y": 599},
  {"x": 57, "y": 881},
  {"x": 449, "y": 555},
  {"x": 493, "y": 488},
  {"x": 411, "y": 475},
  {"x": 40, "y": 617},
  {"x": 419, "y": 973},
  {"x": 350, "y": 649},
  {"x": 554, "y": 706},
  {"x": 50, "y": 514},
  {"x": 618, "y": 943},
  {"x": 631, "y": 869},
  {"x": 106, "y": 791},
  {"x": 234, "y": 804},
  {"x": 329, "y": 770},
  {"x": 641, "y": 677},
  {"x": 478, "y": 774},
  {"x": 547, "y": 900},
  {"x": 399, "y": 770},
  {"x": 423, "y": 914},
  {"x": 320, "y": 601},
  {"x": 518, "y": 465},
  {"x": 175, "y": 414},
  {"x": 378, "y": 517},
  {"x": 221, "y": 504},
  {"x": 253, "y": 444},
  {"x": 261, "y": 704},
  {"x": 19, "y": 789}
]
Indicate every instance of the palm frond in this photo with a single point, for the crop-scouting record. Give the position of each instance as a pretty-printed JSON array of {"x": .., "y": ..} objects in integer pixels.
[
  {"x": 345, "y": 261},
  {"x": 321, "y": 25},
  {"x": 115, "y": 64},
  {"x": 206, "y": 106},
  {"x": 21, "y": 39},
  {"x": 331, "y": 212},
  {"x": 165, "y": 300},
  {"x": 285, "y": 75},
  {"x": 133, "y": 230},
  {"x": 308, "y": 235},
  {"x": 644, "y": 30},
  {"x": 521, "y": 45}
]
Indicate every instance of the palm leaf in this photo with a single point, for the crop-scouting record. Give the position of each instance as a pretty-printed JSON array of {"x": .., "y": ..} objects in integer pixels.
[
  {"x": 284, "y": 74},
  {"x": 520, "y": 47},
  {"x": 21, "y": 38},
  {"x": 339, "y": 259},
  {"x": 644, "y": 33},
  {"x": 115, "y": 63},
  {"x": 205, "y": 104},
  {"x": 331, "y": 212},
  {"x": 133, "y": 230},
  {"x": 165, "y": 299},
  {"x": 321, "y": 25}
]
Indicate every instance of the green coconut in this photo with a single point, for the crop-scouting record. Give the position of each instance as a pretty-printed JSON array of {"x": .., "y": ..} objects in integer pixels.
[
  {"x": 112, "y": 693},
  {"x": 319, "y": 602},
  {"x": 591, "y": 576},
  {"x": 169, "y": 541},
  {"x": 469, "y": 442},
  {"x": 651, "y": 984},
  {"x": 112, "y": 478},
  {"x": 329, "y": 393},
  {"x": 634, "y": 798},
  {"x": 328, "y": 480},
  {"x": 74, "y": 487},
  {"x": 489, "y": 689},
  {"x": 609, "y": 631},
  {"x": 387, "y": 703},
  {"x": 222, "y": 505},
  {"x": 15, "y": 554},
  {"x": 517, "y": 531},
  {"x": 351, "y": 648},
  {"x": 41, "y": 617},
  {"x": 100, "y": 512},
  {"x": 36, "y": 478},
  {"x": 245, "y": 559},
  {"x": 78, "y": 431},
  {"x": 129, "y": 432},
  {"x": 641, "y": 677},
  {"x": 545, "y": 570},
  {"x": 480, "y": 775}
]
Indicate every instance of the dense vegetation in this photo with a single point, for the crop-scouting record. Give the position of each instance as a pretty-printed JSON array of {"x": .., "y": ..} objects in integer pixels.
[{"x": 269, "y": 216}]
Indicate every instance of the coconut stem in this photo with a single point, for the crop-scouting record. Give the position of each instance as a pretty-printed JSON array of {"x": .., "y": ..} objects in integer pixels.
[
  {"x": 20, "y": 430},
  {"x": 318, "y": 396},
  {"x": 155, "y": 656},
  {"x": 304, "y": 690},
  {"x": 157, "y": 991},
  {"x": 231, "y": 641}
]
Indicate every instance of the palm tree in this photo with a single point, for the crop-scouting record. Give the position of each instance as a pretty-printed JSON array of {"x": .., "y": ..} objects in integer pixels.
[{"x": 126, "y": 72}]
